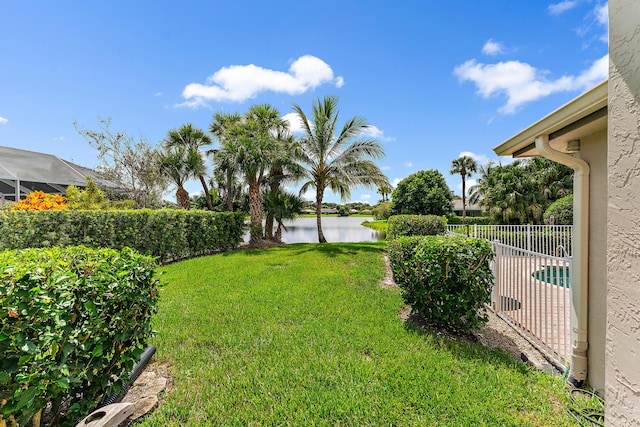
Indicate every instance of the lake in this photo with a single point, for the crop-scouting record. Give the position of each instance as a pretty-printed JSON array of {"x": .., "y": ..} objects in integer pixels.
[{"x": 335, "y": 229}]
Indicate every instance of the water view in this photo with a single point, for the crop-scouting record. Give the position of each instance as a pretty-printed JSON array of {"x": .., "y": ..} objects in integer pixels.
[{"x": 335, "y": 229}]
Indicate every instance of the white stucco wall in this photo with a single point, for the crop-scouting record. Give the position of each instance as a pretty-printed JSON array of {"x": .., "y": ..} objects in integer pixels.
[
  {"x": 594, "y": 151},
  {"x": 622, "y": 392}
]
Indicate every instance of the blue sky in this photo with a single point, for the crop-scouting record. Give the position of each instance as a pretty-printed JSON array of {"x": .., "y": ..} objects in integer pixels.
[{"x": 435, "y": 79}]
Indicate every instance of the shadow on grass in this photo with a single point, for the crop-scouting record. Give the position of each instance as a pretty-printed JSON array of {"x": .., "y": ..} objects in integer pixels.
[
  {"x": 326, "y": 249},
  {"x": 461, "y": 345}
]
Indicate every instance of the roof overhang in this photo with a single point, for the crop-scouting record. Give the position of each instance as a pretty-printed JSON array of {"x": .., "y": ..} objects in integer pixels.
[{"x": 577, "y": 119}]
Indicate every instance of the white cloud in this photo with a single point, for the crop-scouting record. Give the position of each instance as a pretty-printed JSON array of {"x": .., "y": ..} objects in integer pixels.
[
  {"x": 238, "y": 83},
  {"x": 309, "y": 195},
  {"x": 602, "y": 13},
  {"x": 294, "y": 122},
  {"x": 563, "y": 6},
  {"x": 365, "y": 197},
  {"x": 479, "y": 158},
  {"x": 468, "y": 184},
  {"x": 493, "y": 48},
  {"x": 523, "y": 83},
  {"x": 60, "y": 138},
  {"x": 395, "y": 182},
  {"x": 3, "y": 121},
  {"x": 385, "y": 168},
  {"x": 159, "y": 94},
  {"x": 377, "y": 133},
  {"x": 409, "y": 164},
  {"x": 602, "y": 17}
]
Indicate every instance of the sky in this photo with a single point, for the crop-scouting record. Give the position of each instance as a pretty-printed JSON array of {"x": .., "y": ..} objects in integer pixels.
[{"x": 435, "y": 79}]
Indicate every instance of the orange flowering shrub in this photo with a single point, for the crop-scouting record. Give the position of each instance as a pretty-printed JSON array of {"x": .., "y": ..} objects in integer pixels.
[{"x": 41, "y": 201}]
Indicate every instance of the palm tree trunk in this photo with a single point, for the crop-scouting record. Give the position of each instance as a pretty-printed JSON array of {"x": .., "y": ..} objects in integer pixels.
[
  {"x": 255, "y": 211},
  {"x": 206, "y": 192},
  {"x": 229, "y": 195},
  {"x": 319, "y": 197},
  {"x": 182, "y": 198},
  {"x": 464, "y": 201}
]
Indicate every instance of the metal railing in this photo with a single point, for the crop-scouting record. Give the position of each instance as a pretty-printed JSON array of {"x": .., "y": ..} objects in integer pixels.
[
  {"x": 532, "y": 292},
  {"x": 544, "y": 239}
]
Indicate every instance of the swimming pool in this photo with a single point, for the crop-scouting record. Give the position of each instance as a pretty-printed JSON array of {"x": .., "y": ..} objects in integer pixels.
[{"x": 555, "y": 274}]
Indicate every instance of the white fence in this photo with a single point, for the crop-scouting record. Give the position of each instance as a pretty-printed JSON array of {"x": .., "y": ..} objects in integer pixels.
[
  {"x": 532, "y": 292},
  {"x": 544, "y": 239},
  {"x": 532, "y": 289}
]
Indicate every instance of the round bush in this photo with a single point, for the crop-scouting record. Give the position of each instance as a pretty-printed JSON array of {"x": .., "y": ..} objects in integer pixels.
[
  {"x": 446, "y": 279},
  {"x": 560, "y": 212}
]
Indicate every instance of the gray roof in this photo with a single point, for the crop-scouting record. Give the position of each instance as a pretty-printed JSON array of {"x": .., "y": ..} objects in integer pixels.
[{"x": 42, "y": 171}]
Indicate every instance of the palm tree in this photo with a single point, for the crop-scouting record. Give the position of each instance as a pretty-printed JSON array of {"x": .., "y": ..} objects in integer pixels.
[
  {"x": 335, "y": 158},
  {"x": 180, "y": 164},
  {"x": 193, "y": 139},
  {"x": 220, "y": 127},
  {"x": 465, "y": 166},
  {"x": 384, "y": 190},
  {"x": 282, "y": 206},
  {"x": 283, "y": 169},
  {"x": 253, "y": 148}
]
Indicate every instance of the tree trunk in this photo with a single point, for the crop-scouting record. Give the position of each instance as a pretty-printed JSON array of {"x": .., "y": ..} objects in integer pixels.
[
  {"x": 255, "y": 211},
  {"x": 319, "y": 197},
  {"x": 229, "y": 195},
  {"x": 206, "y": 192},
  {"x": 279, "y": 233},
  {"x": 464, "y": 201},
  {"x": 274, "y": 187},
  {"x": 182, "y": 198}
]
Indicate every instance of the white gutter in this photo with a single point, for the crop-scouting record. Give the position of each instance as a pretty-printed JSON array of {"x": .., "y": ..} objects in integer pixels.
[{"x": 580, "y": 245}]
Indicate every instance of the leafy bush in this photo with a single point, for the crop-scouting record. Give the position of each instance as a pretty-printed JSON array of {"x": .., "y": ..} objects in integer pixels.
[
  {"x": 72, "y": 323},
  {"x": 167, "y": 234},
  {"x": 382, "y": 211},
  {"x": 471, "y": 220},
  {"x": 446, "y": 279},
  {"x": 415, "y": 225},
  {"x": 422, "y": 193},
  {"x": 560, "y": 212}
]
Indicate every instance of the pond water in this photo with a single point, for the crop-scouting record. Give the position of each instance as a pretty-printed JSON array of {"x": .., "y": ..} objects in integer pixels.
[{"x": 335, "y": 229}]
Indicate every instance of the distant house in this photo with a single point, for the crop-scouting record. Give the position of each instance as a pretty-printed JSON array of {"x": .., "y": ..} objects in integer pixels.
[
  {"x": 22, "y": 172},
  {"x": 472, "y": 210}
]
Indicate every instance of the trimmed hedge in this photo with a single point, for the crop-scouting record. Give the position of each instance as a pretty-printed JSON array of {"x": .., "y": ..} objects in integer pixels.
[
  {"x": 415, "y": 225},
  {"x": 73, "y": 321},
  {"x": 471, "y": 220},
  {"x": 446, "y": 279},
  {"x": 168, "y": 234}
]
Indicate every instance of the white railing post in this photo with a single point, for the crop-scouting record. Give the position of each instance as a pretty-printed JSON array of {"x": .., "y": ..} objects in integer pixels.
[{"x": 495, "y": 293}]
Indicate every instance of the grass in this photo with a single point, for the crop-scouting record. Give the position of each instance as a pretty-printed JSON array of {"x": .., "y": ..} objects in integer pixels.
[
  {"x": 303, "y": 335},
  {"x": 380, "y": 224}
]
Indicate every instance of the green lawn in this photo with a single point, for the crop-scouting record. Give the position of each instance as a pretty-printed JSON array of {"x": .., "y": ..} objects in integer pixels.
[
  {"x": 303, "y": 335},
  {"x": 380, "y": 224}
]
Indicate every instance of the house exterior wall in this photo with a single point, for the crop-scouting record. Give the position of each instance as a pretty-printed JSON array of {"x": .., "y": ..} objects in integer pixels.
[
  {"x": 622, "y": 391},
  {"x": 594, "y": 151}
]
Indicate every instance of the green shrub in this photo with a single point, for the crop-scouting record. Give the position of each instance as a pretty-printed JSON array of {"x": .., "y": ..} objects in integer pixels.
[
  {"x": 382, "y": 211},
  {"x": 560, "y": 212},
  {"x": 446, "y": 279},
  {"x": 168, "y": 234},
  {"x": 415, "y": 225},
  {"x": 471, "y": 220},
  {"x": 73, "y": 321}
]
